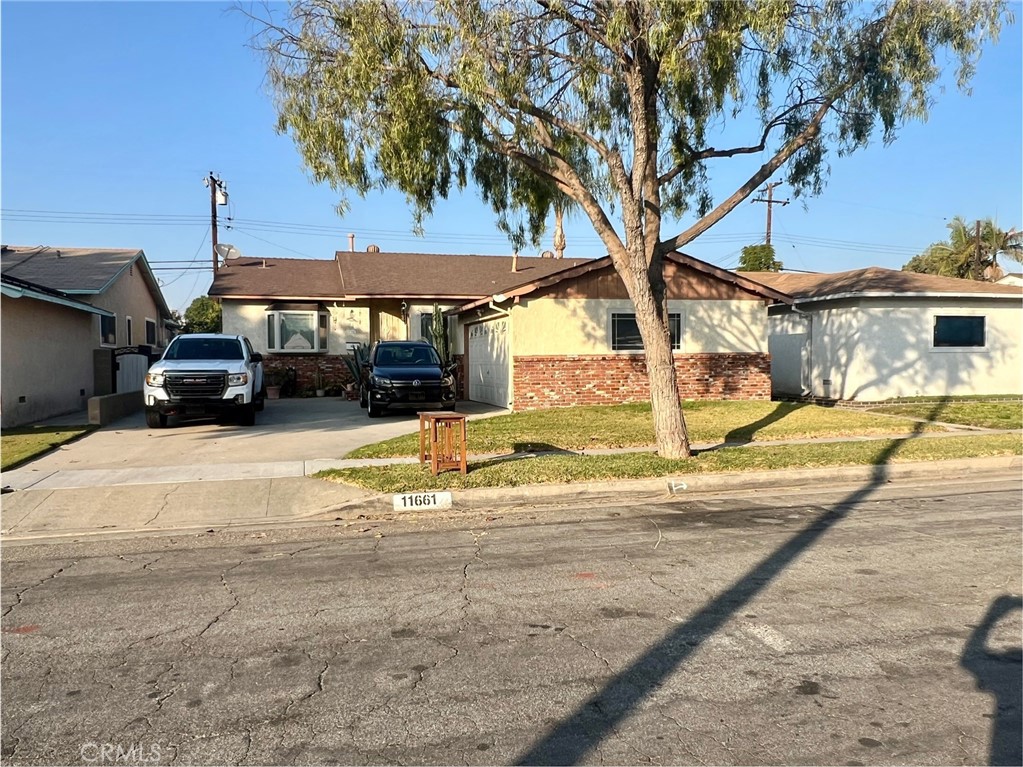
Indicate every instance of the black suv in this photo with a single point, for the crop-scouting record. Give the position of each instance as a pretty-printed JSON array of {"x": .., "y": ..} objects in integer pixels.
[{"x": 405, "y": 375}]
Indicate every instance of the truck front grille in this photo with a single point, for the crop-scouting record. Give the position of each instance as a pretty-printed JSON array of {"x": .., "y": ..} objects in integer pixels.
[{"x": 197, "y": 385}]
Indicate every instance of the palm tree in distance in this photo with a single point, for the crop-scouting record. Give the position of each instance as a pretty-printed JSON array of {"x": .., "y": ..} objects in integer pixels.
[{"x": 960, "y": 255}]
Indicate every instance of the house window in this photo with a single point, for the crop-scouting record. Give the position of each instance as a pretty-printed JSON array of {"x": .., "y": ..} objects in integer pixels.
[
  {"x": 297, "y": 331},
  {"x": 426, "y": 326},
  {"x": 625, "y": 335},
  {"x": 108, "y": 331},
  {"x": 127, "y": 331},
  {"x": 960, "y": 331},
  {"x": 151, "y": 332}
]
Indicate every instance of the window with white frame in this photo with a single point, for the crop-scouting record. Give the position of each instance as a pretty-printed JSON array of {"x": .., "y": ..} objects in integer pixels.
[
  {"x": 625, "y": 335},
  {"x": 297, "y": 330},
  {"x": 107, "y": 331},
  {"x": 951, "y": 331}
]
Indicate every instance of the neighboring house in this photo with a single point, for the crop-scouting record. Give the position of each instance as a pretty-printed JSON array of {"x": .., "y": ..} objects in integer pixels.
[
  {"x": 875, "y": 334},
  {"x": 527, "y": 332},
  {"x": 65, "y": 311}
]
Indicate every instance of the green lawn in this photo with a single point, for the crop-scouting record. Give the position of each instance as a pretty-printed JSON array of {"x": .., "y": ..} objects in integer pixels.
[
  {"x": 21, "y": 444},
  {"x": 989, "y": 415},
  {"x": 616, "y": 426},
  {"x": 515, "y": 471}
]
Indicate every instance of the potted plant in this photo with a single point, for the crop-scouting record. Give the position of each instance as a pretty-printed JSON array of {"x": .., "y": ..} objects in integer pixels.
[
  {"x": 318, "y": 383},
  {"x": 273, "y": 379}
]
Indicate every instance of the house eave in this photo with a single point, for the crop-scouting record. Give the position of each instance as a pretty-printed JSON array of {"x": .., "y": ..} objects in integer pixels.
[{"x": 13, "y": 291}]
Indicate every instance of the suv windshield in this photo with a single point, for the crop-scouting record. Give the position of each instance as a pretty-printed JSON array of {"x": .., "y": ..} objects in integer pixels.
[
  {"x": 412, "y": 355},
  {"x": 204, "y": 349}
]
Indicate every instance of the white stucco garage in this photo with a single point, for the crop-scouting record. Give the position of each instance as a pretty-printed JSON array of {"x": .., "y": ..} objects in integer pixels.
[
  {"x": 877, "y": 334},
  {"x": 489, "y": 362}
]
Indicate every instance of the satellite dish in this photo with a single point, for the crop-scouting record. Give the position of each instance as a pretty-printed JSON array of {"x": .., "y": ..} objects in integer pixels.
[{"x": 227, "y": 252}]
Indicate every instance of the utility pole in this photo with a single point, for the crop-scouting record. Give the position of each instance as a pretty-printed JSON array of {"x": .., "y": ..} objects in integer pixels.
[
  {"x": 218, "y": 196},
  {"x": 769, "y": 188}
]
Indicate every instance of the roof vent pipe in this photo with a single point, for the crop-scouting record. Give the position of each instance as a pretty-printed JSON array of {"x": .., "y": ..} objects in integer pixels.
[
  {"x": 515, "y": 261},
  {"x": 351, "y": 242}
]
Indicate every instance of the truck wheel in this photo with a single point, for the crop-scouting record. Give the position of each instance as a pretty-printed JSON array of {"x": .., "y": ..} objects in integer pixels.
[
  {"x": 260, "y": 401},
  {"x": 247, "y": 415},
  {"x": 155, "y": 419}
]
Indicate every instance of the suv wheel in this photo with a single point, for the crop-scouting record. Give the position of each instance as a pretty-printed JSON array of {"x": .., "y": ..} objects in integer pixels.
[{"x": 373, "y": 412}]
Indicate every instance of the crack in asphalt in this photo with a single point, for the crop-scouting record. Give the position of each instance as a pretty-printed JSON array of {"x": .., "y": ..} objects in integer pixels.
[
  {"x": 678, "y": 733},
  {"x": 319, "y": 684},
  {"x": 20, "y": 594},
  {"x": 589, "y": 649},
  {"x": 216, "y": 618}
]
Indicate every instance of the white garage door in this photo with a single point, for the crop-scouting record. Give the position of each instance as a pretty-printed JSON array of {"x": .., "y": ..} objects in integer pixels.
[{"x": 490, "y": 363}]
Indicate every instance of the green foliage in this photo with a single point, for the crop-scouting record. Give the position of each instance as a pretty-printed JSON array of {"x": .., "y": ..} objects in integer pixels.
[
  {"x": 358, "y": 356},
  {"x": 960, "y": 257},
  {"x": 203, "y": 315},
  {"x": 759, "y": 258}
]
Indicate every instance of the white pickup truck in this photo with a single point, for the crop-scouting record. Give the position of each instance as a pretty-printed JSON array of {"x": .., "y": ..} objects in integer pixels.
[{"x": 205, "y": 374}]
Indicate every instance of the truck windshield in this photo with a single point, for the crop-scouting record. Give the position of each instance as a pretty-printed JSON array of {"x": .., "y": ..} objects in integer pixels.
[{"x": 204, "y": 349}]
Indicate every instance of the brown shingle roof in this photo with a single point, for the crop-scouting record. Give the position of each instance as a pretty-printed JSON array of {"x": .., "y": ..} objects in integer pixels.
[
  {"x": 875, "y": 280},
  {"x": 362, "y": 274},
  {"x": 69, "y": 270},
  {"x": 278, "y": 278},
  {"x": 442, "y": 276},
  {"x": 77, "y": 271}
]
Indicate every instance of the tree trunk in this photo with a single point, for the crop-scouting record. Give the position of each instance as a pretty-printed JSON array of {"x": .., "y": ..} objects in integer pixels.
[{"x": 669, "y": 422}]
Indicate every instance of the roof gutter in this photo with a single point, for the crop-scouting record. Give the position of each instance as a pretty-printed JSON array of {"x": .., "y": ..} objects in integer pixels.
[{"x": 12, "y": 291}]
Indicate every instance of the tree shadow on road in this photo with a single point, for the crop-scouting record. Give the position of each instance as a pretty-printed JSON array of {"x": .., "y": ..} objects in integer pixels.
[
  {"x": 581, "y": 732},
  {"x": 999, "y": 672}
]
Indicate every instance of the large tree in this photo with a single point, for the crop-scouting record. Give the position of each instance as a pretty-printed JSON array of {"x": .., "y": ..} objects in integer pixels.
[
  {"x": 203, "y": 315},
  {"x": 759, "y": 258},
  {"x": 965, "y": 256},
  {"x": 614, "y": 105}
]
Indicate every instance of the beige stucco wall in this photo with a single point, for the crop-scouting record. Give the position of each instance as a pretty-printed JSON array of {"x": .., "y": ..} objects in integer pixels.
[
  {"x": 47, "y": 360},
  {"x": 879, "y": 350},
  {"x": 582, "y": 326},
  {"x": 129, "y": 296},
  {"x": 348, "y": 324}
]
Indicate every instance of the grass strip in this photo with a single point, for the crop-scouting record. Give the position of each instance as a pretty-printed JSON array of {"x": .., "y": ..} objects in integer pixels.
[
  {"x": 617, "y": 426},
  {"x": 25, "y": 443},
  {"x": 516, "y": 471},
  {"x": 987, "y": 415}
]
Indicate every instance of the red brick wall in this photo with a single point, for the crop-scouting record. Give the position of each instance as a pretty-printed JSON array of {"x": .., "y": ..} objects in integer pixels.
[
  {"x": 542, "y": 382},
  {"x": 333, "y": 371}
]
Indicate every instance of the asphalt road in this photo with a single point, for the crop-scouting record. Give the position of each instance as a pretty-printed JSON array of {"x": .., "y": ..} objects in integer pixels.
[{"x": 846, "y": 626}]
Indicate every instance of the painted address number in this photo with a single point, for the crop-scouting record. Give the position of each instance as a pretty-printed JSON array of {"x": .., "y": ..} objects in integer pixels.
[{"x": 408, "y": 501}]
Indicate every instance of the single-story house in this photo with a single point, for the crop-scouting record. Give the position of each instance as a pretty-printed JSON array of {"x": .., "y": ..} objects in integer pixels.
[
  {"x": 67, "y": 312},
  {"x": 526, "y": 332},
  {"x": 875, "y": 334}
]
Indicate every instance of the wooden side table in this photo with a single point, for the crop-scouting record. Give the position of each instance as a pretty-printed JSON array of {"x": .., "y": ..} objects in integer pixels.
[{"x": 442, "y": 436}]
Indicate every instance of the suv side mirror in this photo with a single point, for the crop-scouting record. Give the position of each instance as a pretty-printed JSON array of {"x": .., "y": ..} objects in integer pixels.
[{"x": 256, "y": 357}]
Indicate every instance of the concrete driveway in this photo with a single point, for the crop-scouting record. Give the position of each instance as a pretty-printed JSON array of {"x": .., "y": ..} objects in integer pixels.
[{"x": 287, "y": 430}]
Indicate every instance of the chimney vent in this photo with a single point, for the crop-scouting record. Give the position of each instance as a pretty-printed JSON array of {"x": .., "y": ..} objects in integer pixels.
[
  {"x": 373, "y": 249},
  {"x": 351, "y": 242}
]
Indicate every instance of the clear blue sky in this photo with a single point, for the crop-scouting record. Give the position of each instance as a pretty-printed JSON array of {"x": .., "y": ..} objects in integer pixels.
[{"x": 111, "y": 109}]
